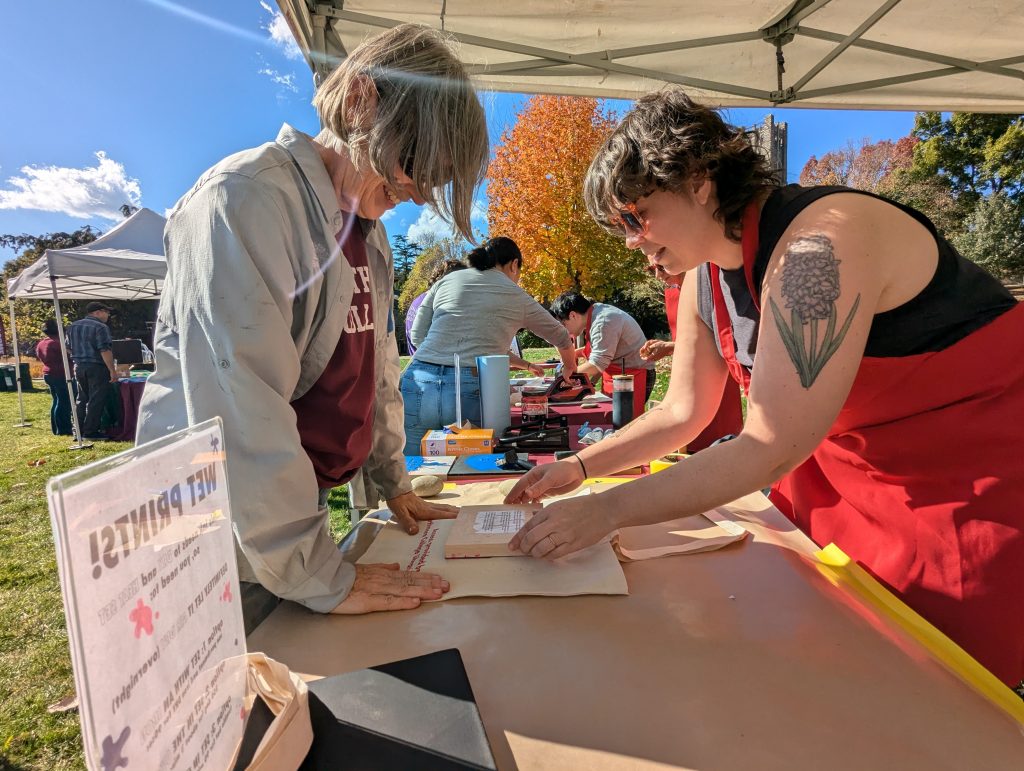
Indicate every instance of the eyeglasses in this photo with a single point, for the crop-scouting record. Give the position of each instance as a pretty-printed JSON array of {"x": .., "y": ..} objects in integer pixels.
[
  {"x": 631, "y": 221},
  {"x": 408, "y": 164}
]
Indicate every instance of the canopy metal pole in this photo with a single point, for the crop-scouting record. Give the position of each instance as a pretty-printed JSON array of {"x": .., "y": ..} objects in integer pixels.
[
  {"x": 17, "y": 367},
  {"x": 79, "y": 444}
]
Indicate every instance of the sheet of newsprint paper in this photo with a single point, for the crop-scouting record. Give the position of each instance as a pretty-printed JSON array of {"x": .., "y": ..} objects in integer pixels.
[
  {"x": 687, "y": 535},
  {"x": 591, "y": 571}
]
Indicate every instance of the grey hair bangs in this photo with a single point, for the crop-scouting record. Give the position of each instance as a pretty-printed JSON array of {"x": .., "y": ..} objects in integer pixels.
[{"x": 428, "y": 121}]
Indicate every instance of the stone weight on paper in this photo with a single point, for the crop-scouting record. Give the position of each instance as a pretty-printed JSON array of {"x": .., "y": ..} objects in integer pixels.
[{"x": 427, "y": 486}]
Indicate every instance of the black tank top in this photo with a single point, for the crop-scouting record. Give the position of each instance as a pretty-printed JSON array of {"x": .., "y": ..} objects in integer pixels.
[{"x": 960, "y": 298}]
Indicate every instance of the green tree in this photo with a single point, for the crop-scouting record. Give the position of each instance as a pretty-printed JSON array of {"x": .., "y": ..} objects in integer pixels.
[
  {"x": 644, "y": 300},
  {"x": 979, "y": 158},
  {"x": 405, "y": 253},
  {"x": 435, "y": 251},
  {"x": 994, "y": 237},
  {"x": 29, "y": 315},
  {"x": 972, "y": 154}
]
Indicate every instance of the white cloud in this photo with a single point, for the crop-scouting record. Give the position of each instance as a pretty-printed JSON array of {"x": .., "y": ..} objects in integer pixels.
[
  {"x": 389, "y": 214},
  {"x": 95, "y": 191},
  {"x": 280, "y": 33},
  {"x": 429, "y": 225},
  {"x": 285, "y": 81},
  {"x": 478, "y": 216}
]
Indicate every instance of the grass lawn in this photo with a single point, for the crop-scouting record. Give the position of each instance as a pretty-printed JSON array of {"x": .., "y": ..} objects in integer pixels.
[{"x": 34, "y": 659}]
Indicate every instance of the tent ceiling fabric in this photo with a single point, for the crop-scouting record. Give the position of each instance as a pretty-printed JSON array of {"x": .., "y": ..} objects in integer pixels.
[
  {"x": 125, "y": 263},
  {"x": 851, "y": 54}
]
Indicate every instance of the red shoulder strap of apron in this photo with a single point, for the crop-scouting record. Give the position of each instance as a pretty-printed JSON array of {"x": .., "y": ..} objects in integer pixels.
[
  {"x": 586, "y": 333},
  {"x": 723, "y": 323}
]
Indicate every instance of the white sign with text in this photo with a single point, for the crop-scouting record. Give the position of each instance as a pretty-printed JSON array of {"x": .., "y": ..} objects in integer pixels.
[{"x": 151, "y": 595}]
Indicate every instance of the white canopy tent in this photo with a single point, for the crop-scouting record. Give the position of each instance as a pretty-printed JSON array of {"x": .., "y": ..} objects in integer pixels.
[
  {"x": 126, "y": 263},
  {"x": 852, "y": 54}
]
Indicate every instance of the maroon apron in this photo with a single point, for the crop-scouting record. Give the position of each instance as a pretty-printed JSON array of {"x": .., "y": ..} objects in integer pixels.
[
  {"x": 921, "y": 479},
  {"x": 639, "y": 374}
]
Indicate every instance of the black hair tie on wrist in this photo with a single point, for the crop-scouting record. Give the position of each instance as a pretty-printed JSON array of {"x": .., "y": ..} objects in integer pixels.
[{"x": 581, "y": 465}]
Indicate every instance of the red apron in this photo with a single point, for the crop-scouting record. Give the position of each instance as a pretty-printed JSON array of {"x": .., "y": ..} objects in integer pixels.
[
  {"x": 639, "y": 375},
  {"x": 728, "y": 418},
  {"x": 921, "y": 479},
  {"x": 672, "y": 308}
]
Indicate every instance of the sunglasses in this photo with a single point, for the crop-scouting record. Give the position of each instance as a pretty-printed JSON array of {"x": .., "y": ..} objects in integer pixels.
[
  {"x": 408, "y": 161},
  {"x": 631, "y": 221}
]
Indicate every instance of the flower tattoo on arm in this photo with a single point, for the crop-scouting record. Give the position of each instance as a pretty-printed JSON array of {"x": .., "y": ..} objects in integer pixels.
[{"x": 810, "y": 288}]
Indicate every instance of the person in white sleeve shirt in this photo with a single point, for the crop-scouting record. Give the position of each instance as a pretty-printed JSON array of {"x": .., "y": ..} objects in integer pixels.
[{"x": 277, "y": 315}]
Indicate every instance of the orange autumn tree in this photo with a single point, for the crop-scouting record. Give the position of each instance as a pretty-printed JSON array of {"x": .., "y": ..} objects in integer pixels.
[
  {"x": 535, "y": 187},
  {"x": 886, "y": 168},
  {"x": 867, "y": 167}
]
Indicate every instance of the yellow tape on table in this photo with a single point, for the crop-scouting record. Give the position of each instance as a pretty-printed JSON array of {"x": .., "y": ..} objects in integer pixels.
[
  {"x": 842, "y": 571},
  {"x": 603, "y": 480}
]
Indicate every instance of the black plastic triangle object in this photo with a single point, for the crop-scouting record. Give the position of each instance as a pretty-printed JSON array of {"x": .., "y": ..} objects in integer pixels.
[{"x": 417, "y": 713}]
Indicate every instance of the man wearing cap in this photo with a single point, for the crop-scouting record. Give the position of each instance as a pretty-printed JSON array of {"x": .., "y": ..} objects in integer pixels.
[{"x": 94, "y": 366}]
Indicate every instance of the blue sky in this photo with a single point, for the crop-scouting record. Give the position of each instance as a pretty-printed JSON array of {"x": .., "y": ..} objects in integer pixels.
[{"x": 129, "y": 101}]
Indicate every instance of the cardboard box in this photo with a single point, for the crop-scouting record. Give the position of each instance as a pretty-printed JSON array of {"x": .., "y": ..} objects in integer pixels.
[{"x": 468, "y": 441}]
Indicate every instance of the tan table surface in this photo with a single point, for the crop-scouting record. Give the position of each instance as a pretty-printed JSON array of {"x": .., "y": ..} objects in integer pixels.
[{"x": 743, "y": 658}]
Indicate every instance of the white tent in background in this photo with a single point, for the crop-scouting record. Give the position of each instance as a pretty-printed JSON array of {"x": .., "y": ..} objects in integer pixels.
[{"x": 126, "y": 263}]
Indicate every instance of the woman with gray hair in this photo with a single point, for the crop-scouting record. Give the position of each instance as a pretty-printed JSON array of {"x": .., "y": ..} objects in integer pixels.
[{"x": 276, "y": 314}]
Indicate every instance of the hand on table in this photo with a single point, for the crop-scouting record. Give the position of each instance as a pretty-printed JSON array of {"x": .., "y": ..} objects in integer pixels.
[
  {"x": 407, "y": 508},
  {"x": 384, "y": 587},
  {"x": 562, "y": 528},
  {"x": 536, "y": 369},
  {"x": 548, "y": 479},
  {"x": 654, "y": 350}
]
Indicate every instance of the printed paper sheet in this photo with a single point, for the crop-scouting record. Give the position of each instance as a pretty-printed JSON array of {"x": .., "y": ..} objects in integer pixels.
[{"x": 592, "y": 571}]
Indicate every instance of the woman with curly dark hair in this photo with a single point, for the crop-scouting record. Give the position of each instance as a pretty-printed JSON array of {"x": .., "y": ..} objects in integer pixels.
[{"x": 881, "y": 371}]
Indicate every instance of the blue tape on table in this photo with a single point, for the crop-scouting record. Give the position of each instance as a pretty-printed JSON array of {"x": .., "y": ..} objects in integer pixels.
[
  {"x": 419, "y": 464},
  {"x": 480, "y": 465}
]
